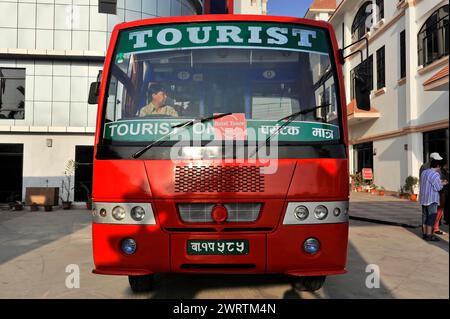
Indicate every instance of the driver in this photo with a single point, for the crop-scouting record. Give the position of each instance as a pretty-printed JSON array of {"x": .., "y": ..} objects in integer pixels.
[{"x": 158, "y": 103}]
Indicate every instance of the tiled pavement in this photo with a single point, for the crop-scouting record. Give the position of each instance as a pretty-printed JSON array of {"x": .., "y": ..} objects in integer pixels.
[
  {"x": 385, "y": 208},
  {"x": 36, "y": 248}
]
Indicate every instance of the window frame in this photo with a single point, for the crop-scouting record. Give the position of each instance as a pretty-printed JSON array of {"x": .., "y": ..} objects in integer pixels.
[
  {"x": 402, "y": 54},
  {"x": 381, "y": 68},
  {"x": 437, "y": 32},
  {"x": 3, "y": 79}
]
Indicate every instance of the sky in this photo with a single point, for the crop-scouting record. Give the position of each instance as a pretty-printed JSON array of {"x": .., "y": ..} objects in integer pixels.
[{"x": 292, "y": 8}]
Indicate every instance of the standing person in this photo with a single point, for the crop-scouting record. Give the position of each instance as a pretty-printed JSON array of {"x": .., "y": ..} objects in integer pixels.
[
  {"x": 443, "y": 194},
  {"x": 426, "y": 165},
  {"x": 430, "y": 185}
]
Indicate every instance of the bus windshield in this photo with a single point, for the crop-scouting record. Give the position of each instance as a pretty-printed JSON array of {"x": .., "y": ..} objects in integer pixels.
[{"x": 165, "y": 75}]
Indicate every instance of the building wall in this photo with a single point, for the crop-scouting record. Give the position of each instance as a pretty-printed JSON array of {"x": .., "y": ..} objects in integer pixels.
[
  {"x": 250, "y": 6},
  {"x": 402, "y": 104},
  {"x": 43, "y": 164},
  {"x": 74, "y": 24},
  {"x": 56, "y": 90}
]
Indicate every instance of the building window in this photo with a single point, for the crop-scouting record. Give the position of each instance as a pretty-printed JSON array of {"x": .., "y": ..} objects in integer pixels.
[
  {"x": 380, "y": 9},
  {"x": 362, "y": 22},
  {"x": 402, "y": 55},
  {"x": 381, "y": 66},
  {"x": 360, "y": 26},
  {"x": 369, "y": 77},
  {"x": 433, "y": 37},
  {"x": 12, "y": 93}
]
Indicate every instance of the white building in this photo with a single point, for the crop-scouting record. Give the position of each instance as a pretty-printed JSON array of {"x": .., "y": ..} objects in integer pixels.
[
  {"x": 50, "y": 51},
  {"x": 321, "y": 10},
  {"x": 408, "y": 55},
  {"x": 250, "y": 6}
]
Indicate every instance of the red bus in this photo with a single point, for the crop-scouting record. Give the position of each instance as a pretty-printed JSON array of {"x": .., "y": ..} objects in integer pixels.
[{"x": 221, "y": 147}]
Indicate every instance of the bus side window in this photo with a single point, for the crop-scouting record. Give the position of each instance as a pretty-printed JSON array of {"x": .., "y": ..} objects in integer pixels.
[{"x": 111, "y": 102}]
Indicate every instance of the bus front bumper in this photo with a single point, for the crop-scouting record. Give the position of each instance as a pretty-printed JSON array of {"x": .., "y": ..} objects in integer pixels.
[{"x": 280, "y": 251}]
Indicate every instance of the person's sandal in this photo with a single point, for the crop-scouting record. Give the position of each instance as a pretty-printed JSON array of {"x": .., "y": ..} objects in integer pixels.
[
  {"x": 439, "y": 232},
  {"x": 432, "y": 238}
]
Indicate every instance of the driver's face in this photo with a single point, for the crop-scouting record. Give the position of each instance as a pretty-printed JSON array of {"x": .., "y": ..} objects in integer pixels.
[{"x": 159, "y": 99}]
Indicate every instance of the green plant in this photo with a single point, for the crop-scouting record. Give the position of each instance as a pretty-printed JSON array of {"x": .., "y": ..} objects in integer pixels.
[
  {"x": 67, "y": 180},
  {"x": 358, "y": 180},
  {"x": 410, "y": 184}
]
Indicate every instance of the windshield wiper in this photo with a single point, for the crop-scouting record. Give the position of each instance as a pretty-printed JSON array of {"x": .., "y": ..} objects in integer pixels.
[
  {"x": 289, "y": 119},
  {"x": 175, "y": 127}
]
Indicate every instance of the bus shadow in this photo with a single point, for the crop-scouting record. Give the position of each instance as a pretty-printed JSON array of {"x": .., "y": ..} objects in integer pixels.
[{"x": 265, "y": 286}]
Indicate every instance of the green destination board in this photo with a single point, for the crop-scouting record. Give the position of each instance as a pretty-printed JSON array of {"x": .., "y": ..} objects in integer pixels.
[
  {"x": 262, "y": 35},
  {"x": 152, "y": 129}
]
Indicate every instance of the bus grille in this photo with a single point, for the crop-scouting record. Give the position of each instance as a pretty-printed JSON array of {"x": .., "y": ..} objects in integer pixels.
[
  {"x": 201, "y": 212},
  {"x": 228, "y": 179}
]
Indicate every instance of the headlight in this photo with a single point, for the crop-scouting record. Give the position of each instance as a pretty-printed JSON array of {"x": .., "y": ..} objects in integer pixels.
[
  {"x": 118, "y": 213},
  {"x": 321, "y": 212},
  {"x": 301, "y": 212},
  {"x": 336, "y": 211},
  {"x": 137, "y": 213}
]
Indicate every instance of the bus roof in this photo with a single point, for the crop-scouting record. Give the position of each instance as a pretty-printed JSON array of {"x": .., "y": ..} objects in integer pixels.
[{"x": 220, "y": 18}]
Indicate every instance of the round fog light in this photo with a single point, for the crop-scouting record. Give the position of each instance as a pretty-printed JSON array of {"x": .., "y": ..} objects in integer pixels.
[
  {"x": 128, "y": 246},
  {"x": 301, "y": 212},
  {"x": 311, "y": 246},
  {"x": 137, "y": 213}
]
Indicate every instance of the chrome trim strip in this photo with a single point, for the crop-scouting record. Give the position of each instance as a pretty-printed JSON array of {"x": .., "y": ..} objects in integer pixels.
[
  {"x": 149, "y": 217},
  {"x": 290, "y": 219}
]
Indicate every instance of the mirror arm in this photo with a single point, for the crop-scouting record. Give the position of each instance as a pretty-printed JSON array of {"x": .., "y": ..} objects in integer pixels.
[{"x": 343, "y": 57}]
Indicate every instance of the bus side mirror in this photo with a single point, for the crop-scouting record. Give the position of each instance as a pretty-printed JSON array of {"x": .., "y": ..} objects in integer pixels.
[
  {"x": 93, "y": 93},
  {"x": 362, "y": 90},
  {"x": 94, "y": 90}
]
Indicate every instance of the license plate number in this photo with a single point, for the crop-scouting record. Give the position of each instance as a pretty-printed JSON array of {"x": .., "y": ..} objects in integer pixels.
[{"x": 218, "y": 247}]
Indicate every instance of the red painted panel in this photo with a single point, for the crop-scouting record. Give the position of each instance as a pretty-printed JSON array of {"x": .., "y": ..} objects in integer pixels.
[
  {"x": 285, "y": 249},
  {"x": 320, "y": 179},
  {"x": 120, "y": 180},
  {"x": 152, "y": 252}
]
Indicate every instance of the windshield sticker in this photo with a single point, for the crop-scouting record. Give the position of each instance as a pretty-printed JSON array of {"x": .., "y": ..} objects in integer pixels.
[
  {"x": 231, "y": 127},
  {"x": 291, "y": 37},
  {"x": 255, "y": 130}
]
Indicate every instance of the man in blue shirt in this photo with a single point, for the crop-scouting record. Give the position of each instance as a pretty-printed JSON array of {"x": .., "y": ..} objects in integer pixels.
[{"x": 430, "y": 185}]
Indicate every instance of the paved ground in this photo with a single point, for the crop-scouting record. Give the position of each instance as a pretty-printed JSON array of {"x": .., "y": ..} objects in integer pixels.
[
  {"x": 385, "y": 208},
  {"x": 35, "y": 249}
]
